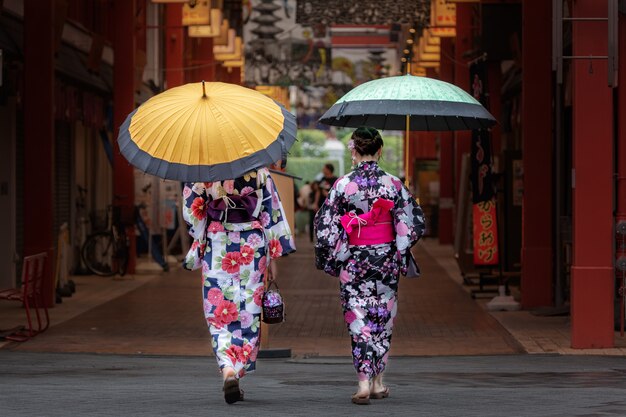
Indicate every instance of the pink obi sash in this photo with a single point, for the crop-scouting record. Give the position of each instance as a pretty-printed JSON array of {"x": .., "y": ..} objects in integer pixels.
[{"x": 371, "y": 228}]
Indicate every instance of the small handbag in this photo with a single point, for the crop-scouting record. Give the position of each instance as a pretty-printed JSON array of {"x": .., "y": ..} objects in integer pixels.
[{"x": 272, "y": 303}]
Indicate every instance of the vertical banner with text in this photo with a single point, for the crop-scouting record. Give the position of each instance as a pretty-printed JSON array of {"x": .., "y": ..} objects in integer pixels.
[{"x": 484, "y": 212}]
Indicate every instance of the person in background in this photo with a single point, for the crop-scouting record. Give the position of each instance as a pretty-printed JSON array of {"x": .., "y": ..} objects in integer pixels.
[
  {"x": 326, "y": 183},
  {"x": 143, "y": 242},
  {"x": 365, "y": 231},
  {"x": 303, "y": 195},
  {"x": 313, "y": 205}
]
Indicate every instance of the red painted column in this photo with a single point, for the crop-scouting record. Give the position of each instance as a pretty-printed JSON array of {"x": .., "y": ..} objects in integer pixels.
[
  {"x": 446, "y": 156},
  {"x": 621, "y": 144},
  {"x": 234, "y": 76},
  {"x": 537, "y": 246},
  {"x": 592, "y": 270},
  {"x": 124, "y": 44},
  {"x": 174, "y": 43},
  {"x": 201, "y": 60},
  {"x": 464, "y": 29},
  {"x": 39, "y": 235}
]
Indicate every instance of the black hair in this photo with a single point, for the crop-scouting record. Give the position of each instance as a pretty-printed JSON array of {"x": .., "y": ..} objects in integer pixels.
[
  {"x": 330, "y": 167},
  {"x": 367, "y": 140}
]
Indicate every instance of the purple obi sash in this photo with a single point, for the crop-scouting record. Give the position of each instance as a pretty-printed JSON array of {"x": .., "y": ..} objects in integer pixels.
[{"x": 234, "y": 208}]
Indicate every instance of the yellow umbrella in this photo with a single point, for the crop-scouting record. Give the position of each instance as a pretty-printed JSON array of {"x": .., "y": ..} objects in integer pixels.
[{"x": 206, "y": 132}]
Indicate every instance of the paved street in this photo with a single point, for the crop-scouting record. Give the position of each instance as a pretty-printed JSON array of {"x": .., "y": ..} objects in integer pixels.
[
  {"x": 164, "y": 317},
  {"x": 55, "y": 384}
]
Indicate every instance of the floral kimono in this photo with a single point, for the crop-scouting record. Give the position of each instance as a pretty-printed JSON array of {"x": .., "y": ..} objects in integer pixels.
[
  {"x": 238, "y": 226},
  {"x": 368, "y": 274}
]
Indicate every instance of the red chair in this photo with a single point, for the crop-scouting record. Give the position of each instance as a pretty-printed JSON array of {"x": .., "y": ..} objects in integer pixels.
[{"x": 30, "y": 295}]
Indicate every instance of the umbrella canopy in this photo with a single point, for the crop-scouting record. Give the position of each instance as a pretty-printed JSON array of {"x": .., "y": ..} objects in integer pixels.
[
  {"x": 206, "y": 132},
  {"x": 429, "y": 104}
]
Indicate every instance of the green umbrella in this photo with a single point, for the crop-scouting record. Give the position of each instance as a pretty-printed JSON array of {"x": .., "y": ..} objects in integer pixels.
[
  {"x": 411, "y": 103},
  {"x": 408, "y": 103}
]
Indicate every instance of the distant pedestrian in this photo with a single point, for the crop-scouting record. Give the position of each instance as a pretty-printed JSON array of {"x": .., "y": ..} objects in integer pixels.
[
  {"x": 315, "y": 196},
  {"x": 238, "y": 226},
  {"x": 304, "y": 194},
  {"x": 327, "y": 181},
  {"x": 365, "y": 231}
]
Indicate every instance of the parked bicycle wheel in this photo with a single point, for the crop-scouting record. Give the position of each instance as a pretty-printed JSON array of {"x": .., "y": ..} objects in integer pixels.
[{"x": 99, "y": 253}]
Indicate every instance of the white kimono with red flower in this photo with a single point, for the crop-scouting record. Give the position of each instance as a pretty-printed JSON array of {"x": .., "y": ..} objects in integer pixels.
[{"x": 233, "y": 257}]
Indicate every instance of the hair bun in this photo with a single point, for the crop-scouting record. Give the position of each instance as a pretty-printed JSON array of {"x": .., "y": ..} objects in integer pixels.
[{"x": 367, "y": 140}]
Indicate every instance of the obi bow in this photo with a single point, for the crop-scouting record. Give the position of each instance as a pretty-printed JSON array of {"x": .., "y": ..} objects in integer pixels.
[
  {"x": 380, "y": 213},
  {"x": 234, "y": 208}
]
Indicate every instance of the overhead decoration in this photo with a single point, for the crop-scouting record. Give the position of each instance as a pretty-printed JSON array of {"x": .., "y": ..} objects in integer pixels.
[
  {"x": 208, "y": 31},
  {"x": 198, "y": 14},
  {"x": 443, "y": 14},
  {"x": 363, "y": 12}
]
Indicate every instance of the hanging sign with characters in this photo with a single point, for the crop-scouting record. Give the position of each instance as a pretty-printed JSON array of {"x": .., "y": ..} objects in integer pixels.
[
  {"x": 483, "y": 188},
  {"x": 485, "y": 233}
]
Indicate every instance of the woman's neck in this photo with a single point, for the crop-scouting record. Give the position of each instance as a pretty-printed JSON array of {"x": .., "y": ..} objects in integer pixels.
[{"x": 364, "y": 158}]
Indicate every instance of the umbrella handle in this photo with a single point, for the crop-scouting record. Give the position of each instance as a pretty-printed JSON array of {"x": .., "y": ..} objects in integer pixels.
[
  {"x": 406, "y": 156},
  {"x": 203, "y": 90}
]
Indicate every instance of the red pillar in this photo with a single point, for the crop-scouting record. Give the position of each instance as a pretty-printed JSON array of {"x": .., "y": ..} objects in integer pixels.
[
  {"x": 537, "y": 252},
  {"x": 462, "y": 139},
  {"x": 235, "y": 76},
  {"x": 592, "y": 270},
  {"x": 201, "y": 60},
  {"x": 446, "y": 156},
  {"x": 174, "y": 43},
  {"x": 39, "y": 235},
  {"x": 124, "y": 44},
  {"x": 621, "y": 144}
]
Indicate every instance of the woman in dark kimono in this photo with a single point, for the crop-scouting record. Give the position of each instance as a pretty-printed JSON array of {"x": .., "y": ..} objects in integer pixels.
[{"x": 365, "y": 232}]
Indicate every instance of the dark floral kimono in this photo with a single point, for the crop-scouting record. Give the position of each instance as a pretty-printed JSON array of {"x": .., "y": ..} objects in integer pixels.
[{"x": 368, "y": 274}]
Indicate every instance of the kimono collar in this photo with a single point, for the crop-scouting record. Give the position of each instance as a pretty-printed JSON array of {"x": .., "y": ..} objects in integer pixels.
[{"x": 367, "y": 165}]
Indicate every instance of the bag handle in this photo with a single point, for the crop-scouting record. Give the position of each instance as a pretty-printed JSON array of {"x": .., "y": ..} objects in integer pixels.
[{"x": 270, "y": 278}]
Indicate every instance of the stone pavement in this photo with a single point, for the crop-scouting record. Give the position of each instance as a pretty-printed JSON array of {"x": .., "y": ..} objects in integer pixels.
[
  {"x": 164, "y": 316},
  {"x": 50, "y": 385},
  {"x": 161, "y": 314}
]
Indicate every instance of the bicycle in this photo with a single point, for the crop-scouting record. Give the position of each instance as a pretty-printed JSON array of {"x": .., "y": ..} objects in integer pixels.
[{"x": 106, "y": 253}]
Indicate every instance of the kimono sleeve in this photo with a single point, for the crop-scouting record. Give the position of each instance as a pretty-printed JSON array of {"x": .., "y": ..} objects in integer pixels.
[
  {"x": 274, "y": 221},
  {"x": 408, "y": 220},
  {"x": 329, "y": 231},
  {"x": 195, "y": 199}
]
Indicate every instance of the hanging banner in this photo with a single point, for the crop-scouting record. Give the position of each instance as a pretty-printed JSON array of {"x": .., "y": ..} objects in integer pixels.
[
  {"x": 198, "y": 14},
  {"x": 485, "y": 228},
  {"x": 442, "y": 32},
  {"x": 442, "y": 14}
]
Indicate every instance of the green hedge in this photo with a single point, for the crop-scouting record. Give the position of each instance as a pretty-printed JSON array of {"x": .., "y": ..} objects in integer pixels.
[{"x": 307, "y": 168}]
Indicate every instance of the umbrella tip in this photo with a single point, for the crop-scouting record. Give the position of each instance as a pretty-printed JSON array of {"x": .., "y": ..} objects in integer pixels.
[{"x": 203, "y": 90}]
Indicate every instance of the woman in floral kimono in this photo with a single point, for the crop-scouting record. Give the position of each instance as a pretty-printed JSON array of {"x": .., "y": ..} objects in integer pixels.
[
  {"x": 238, "y": 226},
  {"x": 365, "y": 231}
]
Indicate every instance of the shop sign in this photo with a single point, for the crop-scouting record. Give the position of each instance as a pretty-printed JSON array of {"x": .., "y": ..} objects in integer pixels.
[
  {"x": 200, "y": 14},
  {"x": 485, "y": 233},
  {"x": 442, "y": 14},
  {"x": 442, "y": 32}
]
